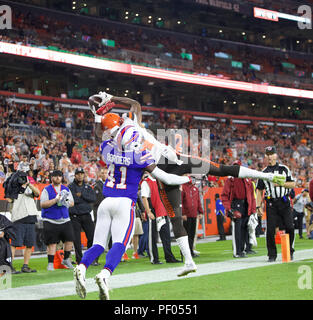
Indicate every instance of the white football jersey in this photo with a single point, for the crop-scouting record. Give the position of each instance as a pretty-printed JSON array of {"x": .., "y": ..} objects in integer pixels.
[{"x": 156, "y": 148}]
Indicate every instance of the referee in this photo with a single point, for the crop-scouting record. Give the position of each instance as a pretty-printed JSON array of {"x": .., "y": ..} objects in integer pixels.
[{"x": 278, "y": 207}]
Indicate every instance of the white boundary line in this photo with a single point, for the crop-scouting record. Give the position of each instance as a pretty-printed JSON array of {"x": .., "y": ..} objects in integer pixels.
[{"x": 60, "y": 289}]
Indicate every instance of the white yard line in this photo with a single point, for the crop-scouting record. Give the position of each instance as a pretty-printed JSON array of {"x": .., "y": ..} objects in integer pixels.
[{"x": 60, "y": 289}]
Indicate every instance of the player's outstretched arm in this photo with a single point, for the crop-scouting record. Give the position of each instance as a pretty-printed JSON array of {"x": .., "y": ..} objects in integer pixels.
[
  {"x": 133, "y": 105},
  {"x": 167, "y": 178},
  {"x": 103, "y": 102}
]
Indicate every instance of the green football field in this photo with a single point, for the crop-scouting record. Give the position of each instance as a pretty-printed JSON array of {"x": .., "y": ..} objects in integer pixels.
[{"x": 278, "y": 281}]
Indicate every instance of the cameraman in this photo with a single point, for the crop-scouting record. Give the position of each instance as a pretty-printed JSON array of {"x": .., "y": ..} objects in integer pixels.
[{"x": 24, "y": 216}]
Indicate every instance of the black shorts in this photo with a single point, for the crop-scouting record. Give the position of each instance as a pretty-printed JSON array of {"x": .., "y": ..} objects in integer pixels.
[
  {"x": 191, "y": 165},
  {"x": 25, "y": 235},
  {"x": 54, "y": 233}
]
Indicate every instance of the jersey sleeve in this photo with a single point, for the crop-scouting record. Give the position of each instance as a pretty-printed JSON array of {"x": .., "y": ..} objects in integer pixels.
[
  {"x": 289, "y": 176},
  {"x": 103, "y": 145},
  {"x": 144, "y": 159},
  {"x": 260, "y": 184}
]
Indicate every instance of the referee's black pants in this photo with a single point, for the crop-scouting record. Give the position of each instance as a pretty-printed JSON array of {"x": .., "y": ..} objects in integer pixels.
[
  {"x": 278, "y": 210},
  {"x": 82, "y": 222},
  {"x": 165, "y": 236}
]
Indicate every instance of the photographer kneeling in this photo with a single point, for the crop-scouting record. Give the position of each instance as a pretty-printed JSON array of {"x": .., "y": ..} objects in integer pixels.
[{"x": 21, "y": 194}]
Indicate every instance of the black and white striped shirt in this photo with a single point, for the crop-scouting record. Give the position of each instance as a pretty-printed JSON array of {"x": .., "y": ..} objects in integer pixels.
[{"x": 270, "y": 190}]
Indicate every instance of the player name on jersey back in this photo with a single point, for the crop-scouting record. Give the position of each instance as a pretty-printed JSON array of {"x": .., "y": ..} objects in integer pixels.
[
  {"x": 121, "y": 160},
  {"x": 124, "y": 170}
]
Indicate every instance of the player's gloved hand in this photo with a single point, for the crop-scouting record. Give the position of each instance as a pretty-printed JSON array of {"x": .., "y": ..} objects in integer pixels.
[
  {"x": 279, "y": 179},
  {"x": 106, "y": 108},
  {"x": 98, "y": 101}
]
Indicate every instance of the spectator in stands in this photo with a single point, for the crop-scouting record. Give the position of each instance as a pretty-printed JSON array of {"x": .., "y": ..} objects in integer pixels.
[
  {"x": 65, "y": 162},
  {"x": 57, "y": 225}
]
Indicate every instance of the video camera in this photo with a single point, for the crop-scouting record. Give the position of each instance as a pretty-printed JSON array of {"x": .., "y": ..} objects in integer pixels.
[{"x": 13, "y": 185}]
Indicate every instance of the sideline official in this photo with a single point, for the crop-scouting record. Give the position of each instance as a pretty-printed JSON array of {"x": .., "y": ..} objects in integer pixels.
[
  {"x": 278, "y": 209},
  {"x": 84, "y": 196},
  {"x": 239, "y": 201}
]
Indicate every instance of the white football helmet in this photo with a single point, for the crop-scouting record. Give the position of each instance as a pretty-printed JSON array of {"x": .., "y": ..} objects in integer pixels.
[{"x": 129, "y": 138}]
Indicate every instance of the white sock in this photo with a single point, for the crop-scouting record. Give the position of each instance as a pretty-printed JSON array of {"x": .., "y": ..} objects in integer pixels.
[
  {"x": 254, "y": 174},
  {"x": 105, "y": 273},
  {"x": 184, "y": 248}
]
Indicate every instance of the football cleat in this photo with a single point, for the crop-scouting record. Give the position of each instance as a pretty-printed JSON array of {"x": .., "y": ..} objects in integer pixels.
[
  {"x": 188, "y": 268},
  {"x": 67, "y": 263},
  {"x": 103, "y": 287},
  {"x": 80, "y": 281}
]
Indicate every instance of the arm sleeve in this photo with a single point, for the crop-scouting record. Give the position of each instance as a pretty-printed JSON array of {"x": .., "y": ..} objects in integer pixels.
[
  {"x": 145, "y": 190},
  {"x": 225, "y": 195},
  {"x": 89, "y": 195},
  {"x": 311, "y": 189},
  {"x": 260, "y": 184},
  {"x": 200, "y": 210},
  {"x": 169, "y": 179},
  {"x": 44, "y": 196},
  {"x": 289, "y": 175}
]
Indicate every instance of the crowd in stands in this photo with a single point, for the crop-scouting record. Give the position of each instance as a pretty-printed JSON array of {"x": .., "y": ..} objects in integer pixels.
[
  {"x": 46, "y": 31},
  {"x": 27, "y": 135}
]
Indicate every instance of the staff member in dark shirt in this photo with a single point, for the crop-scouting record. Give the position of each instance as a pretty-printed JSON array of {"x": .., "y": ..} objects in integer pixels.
[
  {"x": 278, "y": 207},
  {"x": 239, "y": 202},
  {"x": 84, "y": 196},
  {"x": 191, "y": 208}
]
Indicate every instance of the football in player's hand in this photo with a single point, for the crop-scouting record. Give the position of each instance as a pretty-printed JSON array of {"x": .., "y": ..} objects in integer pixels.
[{"x": 94, "y": 101}]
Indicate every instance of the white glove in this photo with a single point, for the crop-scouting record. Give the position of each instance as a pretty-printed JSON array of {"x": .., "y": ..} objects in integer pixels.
[{"x": 96, "y": 101}]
